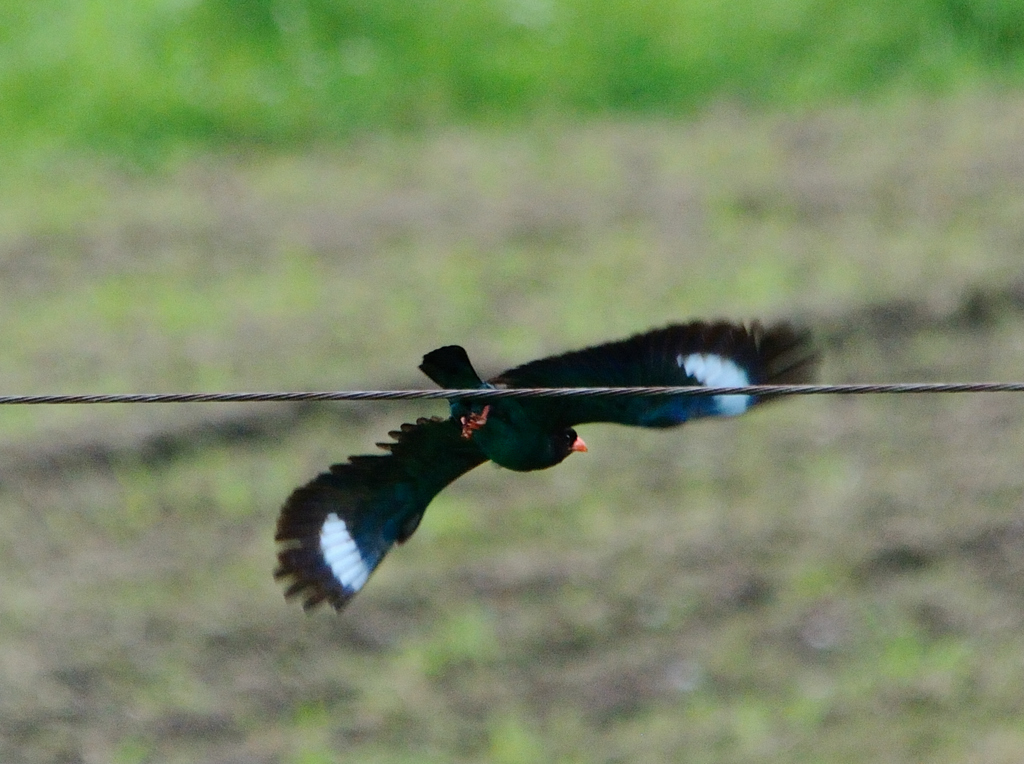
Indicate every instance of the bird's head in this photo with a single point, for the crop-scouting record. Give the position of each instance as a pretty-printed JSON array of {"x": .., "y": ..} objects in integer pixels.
[{"x": 562, "y": 443}]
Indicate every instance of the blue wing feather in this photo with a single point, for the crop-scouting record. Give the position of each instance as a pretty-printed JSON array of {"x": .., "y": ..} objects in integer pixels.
[
  {"x": 335, "y": 530},
  {"x": 714, "y": 354}
]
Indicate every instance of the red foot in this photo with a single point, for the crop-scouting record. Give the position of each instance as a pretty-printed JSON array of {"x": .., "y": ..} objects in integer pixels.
[{"x": 474, "y": 422}]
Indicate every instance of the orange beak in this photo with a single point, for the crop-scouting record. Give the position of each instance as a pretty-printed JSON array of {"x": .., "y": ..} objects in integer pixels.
[{"x": 578, "y": 444}]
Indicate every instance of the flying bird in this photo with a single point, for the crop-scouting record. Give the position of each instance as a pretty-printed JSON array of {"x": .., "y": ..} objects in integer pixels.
[{"x": 335, "y": 530}]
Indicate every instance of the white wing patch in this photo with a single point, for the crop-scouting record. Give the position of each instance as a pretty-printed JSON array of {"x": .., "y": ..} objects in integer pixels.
[
  {"x": 342, "y": 555},
  {"x": 715, "y": 371}
]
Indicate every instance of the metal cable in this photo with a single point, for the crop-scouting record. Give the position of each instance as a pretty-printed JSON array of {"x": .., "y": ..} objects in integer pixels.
[{"x": 524, "y": 392}]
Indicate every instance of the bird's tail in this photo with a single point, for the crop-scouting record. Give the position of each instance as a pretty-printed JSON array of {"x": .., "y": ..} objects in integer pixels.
[{"x": 450, "y": 367}]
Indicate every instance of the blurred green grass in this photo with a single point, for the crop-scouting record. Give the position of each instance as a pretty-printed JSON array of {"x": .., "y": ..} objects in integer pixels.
[
  {"x": 144, "y": 81},
  {"x": 824, "y": 580},
  {"x": 820, "y": 581}
]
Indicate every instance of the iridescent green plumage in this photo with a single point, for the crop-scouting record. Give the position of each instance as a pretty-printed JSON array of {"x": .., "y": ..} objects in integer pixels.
[{"x": 336, "y": 529}]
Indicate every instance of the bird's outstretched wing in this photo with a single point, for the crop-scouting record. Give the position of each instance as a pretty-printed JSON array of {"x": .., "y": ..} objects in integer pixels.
[
  {"x": 335, "y": 530},
  {"x": 718, "y": 354}
]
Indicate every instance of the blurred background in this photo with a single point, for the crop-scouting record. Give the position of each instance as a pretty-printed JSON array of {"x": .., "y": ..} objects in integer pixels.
[{"x": 206, "y": 195}]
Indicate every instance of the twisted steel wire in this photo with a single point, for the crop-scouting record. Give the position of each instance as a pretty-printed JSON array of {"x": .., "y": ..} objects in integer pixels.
[{"x": 521, "y": 392}]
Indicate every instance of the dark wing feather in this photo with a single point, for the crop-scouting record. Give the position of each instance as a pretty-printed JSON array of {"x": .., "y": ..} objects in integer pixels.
[
  {"x": 678, "y": 355},
  {"x": 357, "y": 511}
]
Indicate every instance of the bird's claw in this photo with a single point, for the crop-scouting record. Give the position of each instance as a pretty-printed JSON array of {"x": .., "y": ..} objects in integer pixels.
[{"x": 473, "y": 422}]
